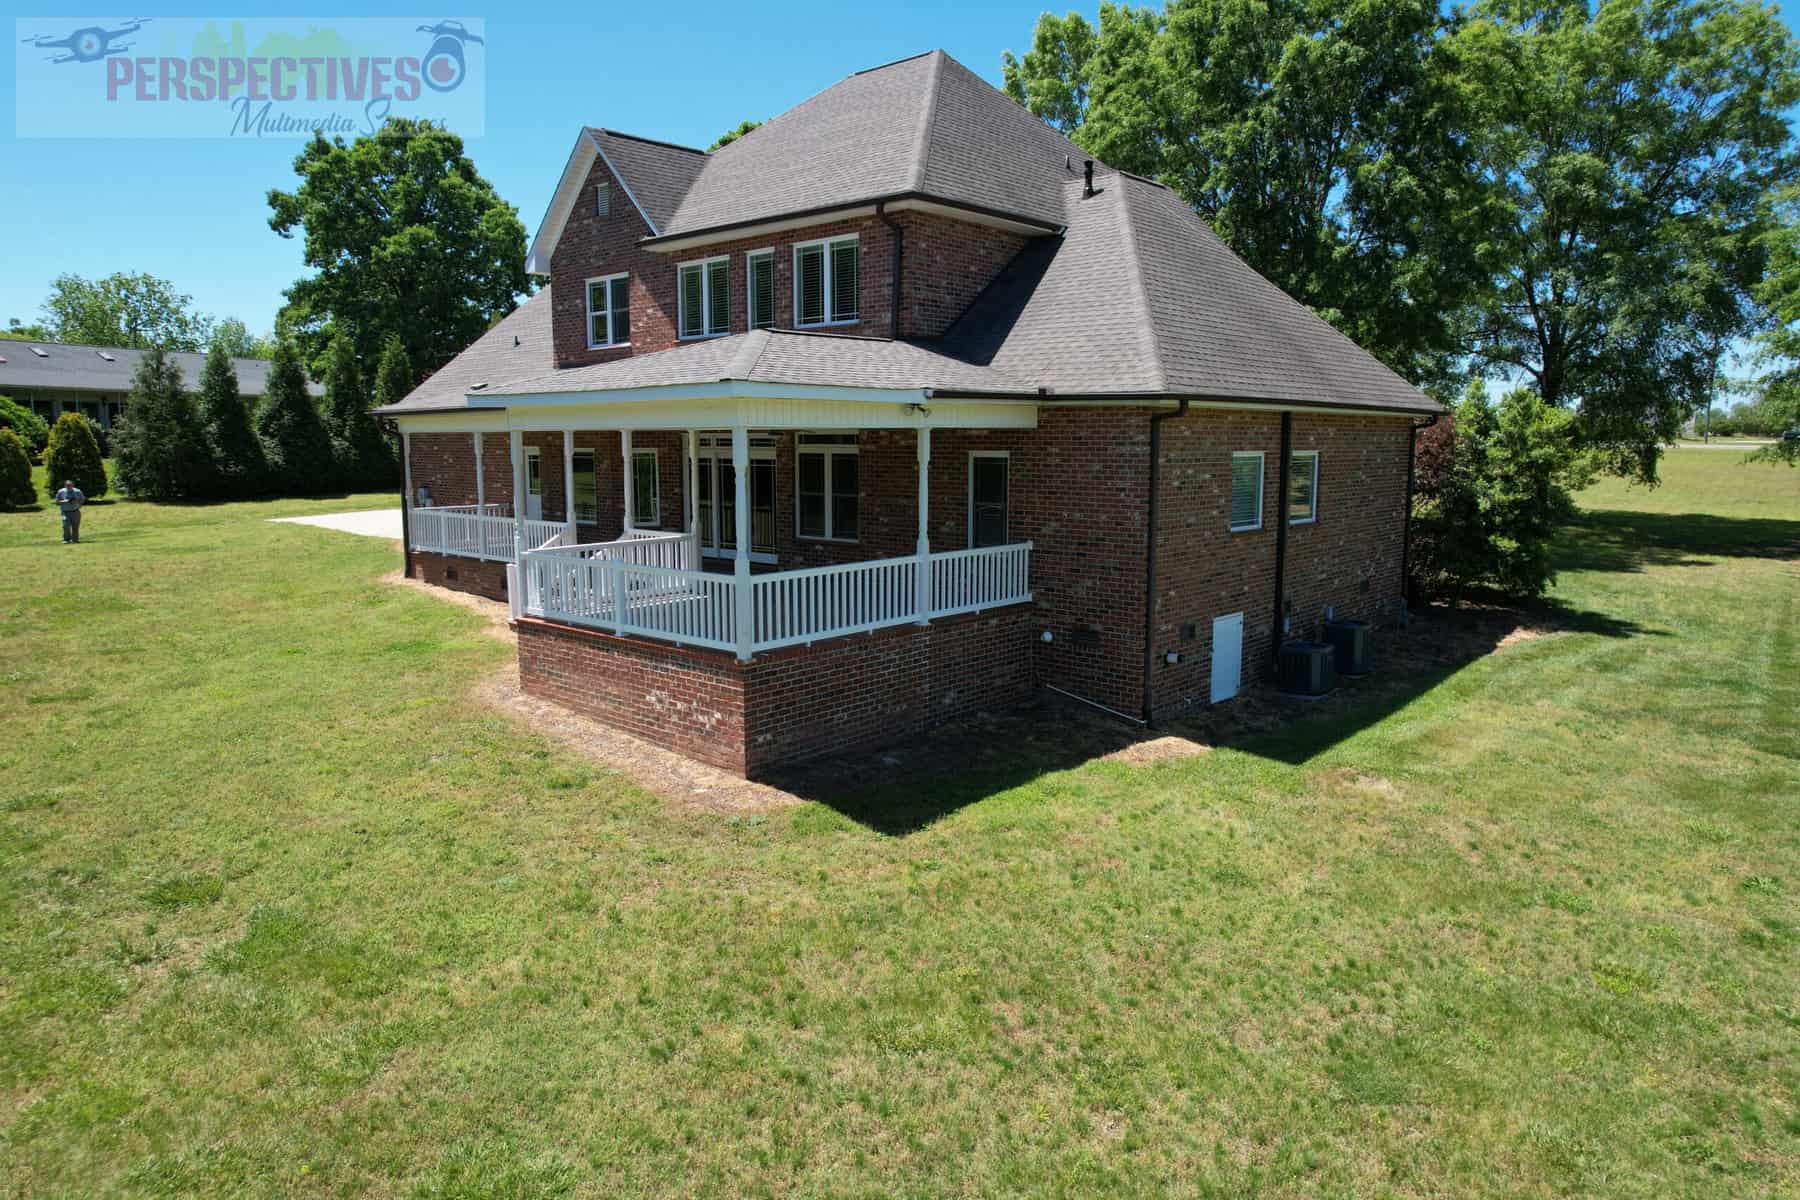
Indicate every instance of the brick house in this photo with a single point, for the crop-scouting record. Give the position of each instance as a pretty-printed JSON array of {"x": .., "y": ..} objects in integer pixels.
[{"x": 894, "y": 409}]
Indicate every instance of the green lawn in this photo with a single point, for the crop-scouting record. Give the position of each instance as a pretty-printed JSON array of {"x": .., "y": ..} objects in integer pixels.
[{"x": 282, "y": 912}]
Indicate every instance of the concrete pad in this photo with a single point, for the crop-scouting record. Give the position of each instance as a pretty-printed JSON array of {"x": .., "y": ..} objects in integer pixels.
[{"x": 374, "y": 522}]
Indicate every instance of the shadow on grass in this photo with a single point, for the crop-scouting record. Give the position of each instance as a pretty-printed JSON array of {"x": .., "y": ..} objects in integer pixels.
[
  {"x": 908, "y": 786},
  {"x": 1625, "y": 540}
]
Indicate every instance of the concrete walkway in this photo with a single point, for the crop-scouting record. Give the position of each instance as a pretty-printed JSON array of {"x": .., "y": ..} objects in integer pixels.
[{"x": 374, "y": 522}]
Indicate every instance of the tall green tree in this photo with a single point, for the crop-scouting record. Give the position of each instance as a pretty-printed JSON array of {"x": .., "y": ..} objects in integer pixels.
[
  {"x": 15, "y": 472},
  {"x": 1320, "y": 139},
  {"x": 239, "y": 342},
  {"x": 239, "y": 468},
  {"x": 394, "y": 377},
  {"x": 405, "y": 238},
  {"x": 1776, "y": 389},
  {"x": 127, "y": 308},
  {"x": 74, "y": 454},
  {"x": 1488, "y": 517},
  {"x": 159, "y": 446},
  {"x": 362, "y": 453},
  {"x": 294, "y": 439},
  {"x": 1626, "y": 157}
]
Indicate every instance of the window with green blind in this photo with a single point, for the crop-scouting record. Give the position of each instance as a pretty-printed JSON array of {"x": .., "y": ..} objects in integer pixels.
[
  {"x": 1246, "y": 490},
  {"x": 759, "y": 266},
  {"x": 609, "y": 311},
  {"x": 1303, "y": 487},
  {"x": 705, "y": 299},
  {"x": 827, "y": 282}
]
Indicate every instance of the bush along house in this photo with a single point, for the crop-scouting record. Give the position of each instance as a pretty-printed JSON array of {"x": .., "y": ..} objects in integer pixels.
[{"x": 893, "y": 410}]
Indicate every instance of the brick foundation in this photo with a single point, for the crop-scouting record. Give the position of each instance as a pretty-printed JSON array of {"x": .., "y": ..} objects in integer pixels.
[
  {"x": 460, "y": 574},
  {"x": 788, "y": 705}
]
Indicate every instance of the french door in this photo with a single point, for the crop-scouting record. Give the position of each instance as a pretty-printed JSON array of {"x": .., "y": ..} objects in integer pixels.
[{"x": 717, "y": 506}]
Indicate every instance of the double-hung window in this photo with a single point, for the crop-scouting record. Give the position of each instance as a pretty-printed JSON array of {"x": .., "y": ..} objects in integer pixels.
[
  {"x": 827, "y": 282},
  {"x": 646, "y": 500},
  {"x": 827, "y": 486},
  {"x": 705, "y": 300},
  {"x": 587, "y": 493},
  {"x": 1246, "y": 490},
  {"x": 609, "y": 311},
  {"x": 759, "y": 282},
  {"x": 1303, "y": 487}
]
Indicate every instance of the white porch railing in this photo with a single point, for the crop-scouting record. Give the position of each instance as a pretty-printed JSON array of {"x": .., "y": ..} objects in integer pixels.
[
  {"x": 484, "y": 531},
  {"x": 626, "y": 586}
]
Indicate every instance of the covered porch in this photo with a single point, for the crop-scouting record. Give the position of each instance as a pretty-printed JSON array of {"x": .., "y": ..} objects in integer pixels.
[{"x": 641, "y": 536}]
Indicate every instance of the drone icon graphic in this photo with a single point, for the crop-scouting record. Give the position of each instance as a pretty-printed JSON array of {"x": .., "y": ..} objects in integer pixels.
[
  {"x": 89, "y": 44},
  {"x": 443, "y": 63}
]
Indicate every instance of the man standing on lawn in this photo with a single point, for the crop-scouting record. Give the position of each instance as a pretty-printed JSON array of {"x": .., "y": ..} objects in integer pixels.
[{"x": 70, "y": 500}]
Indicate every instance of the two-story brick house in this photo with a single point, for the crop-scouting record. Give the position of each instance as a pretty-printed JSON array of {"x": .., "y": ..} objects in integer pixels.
[{"x": 896, "y": 408}]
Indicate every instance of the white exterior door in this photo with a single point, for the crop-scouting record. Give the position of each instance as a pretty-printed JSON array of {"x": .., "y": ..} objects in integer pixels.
[
  {"x": 1227, "y": 656},
  {"x": 534, "y": 484}
]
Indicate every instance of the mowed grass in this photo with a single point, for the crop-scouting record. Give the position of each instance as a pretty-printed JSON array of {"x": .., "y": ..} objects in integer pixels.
[{"x": 283, "y": 912}]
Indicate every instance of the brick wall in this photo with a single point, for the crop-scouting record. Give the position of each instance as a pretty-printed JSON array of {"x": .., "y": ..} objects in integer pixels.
[
  {"x": 460, "y": 574},
  {"x": 947, "y": 263},
  {"x": 445, "y": 463},
  {"x": 790, "y": 704},
  {"x": 1348, "y": 559}
]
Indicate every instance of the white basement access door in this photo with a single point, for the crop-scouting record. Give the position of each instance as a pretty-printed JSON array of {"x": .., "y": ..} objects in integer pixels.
[{"x": 1227, "y": 656}]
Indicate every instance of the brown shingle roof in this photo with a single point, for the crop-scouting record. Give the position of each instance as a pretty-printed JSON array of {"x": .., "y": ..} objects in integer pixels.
[
  {"x": 921, "y": 126},
  {"x": 517, "y": 348},
  {"x": 659, "y": 174},
  {"x": 1140, "y": 296}
]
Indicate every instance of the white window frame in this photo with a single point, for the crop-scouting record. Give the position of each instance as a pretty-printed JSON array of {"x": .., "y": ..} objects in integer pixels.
[
  {"x": 654, "y": 520},
  {"x": 828, "y": 289},
  {"x": 1314, "y": 455},
  {"x": 969, "y": 500},
  {"x": 588, "y": 300},
  {"x": 714, "y": 452},
  {"x": 830, "y": 451},
  {"x": 603, "y": 199},
  {"x": 751, "y": 256},
  {"x": 705, "y": 265},
  {"x": 1262, "y": 481}
]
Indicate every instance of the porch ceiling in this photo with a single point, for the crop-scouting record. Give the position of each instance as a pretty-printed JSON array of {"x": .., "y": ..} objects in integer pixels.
[{"x": 750, "y": 406}]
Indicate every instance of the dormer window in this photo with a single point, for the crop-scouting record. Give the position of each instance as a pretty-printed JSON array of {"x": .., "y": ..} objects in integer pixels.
[
  {"x": 603, "y": 200},
  {"x": 609, "y": 311},
  {"x": 827, "y": 282},
  {"x": 705, "y": 298}
]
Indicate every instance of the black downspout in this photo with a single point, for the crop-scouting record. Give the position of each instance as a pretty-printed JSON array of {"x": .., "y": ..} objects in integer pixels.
[
  {"x": 1156, "y": 420},
  {"x": 1281, "y": 530},
  {"x": 1412, "y": 453},
  {"x": 899, "y": 260},
  {"x": 406, "y": 563}
]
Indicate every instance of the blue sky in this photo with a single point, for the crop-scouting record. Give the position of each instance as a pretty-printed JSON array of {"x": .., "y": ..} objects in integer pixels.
[{"x": 193, "y": 210}]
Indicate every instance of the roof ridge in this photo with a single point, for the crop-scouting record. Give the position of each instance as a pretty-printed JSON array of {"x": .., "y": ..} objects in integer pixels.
[
  {"x": 650, "y": 141},
  {"x": 896, "y": 62},
  {"x": 927, "y": 119},
  {"x": 748, "y": 357},
  {"x": 1136, "y": 257}
]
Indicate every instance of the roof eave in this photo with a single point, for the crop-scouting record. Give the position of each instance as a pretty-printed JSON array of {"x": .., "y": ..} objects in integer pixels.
[{"x": 863, "y": 206}]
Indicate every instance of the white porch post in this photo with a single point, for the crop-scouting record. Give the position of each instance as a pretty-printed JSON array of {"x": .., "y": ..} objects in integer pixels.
[
  {"x": 518, "y": 492},
  {"x": 740, "y": 470},
  {"x": 922, "y": 570},
  {"x": 480, "y": 479},
  {"x": 569, "y": 485},
  {"x": 625, "y": 461},
  {"x": 691, "y": 561}
]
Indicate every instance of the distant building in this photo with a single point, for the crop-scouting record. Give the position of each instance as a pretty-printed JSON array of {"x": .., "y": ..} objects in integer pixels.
[{"x": 51, "y": 378}]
